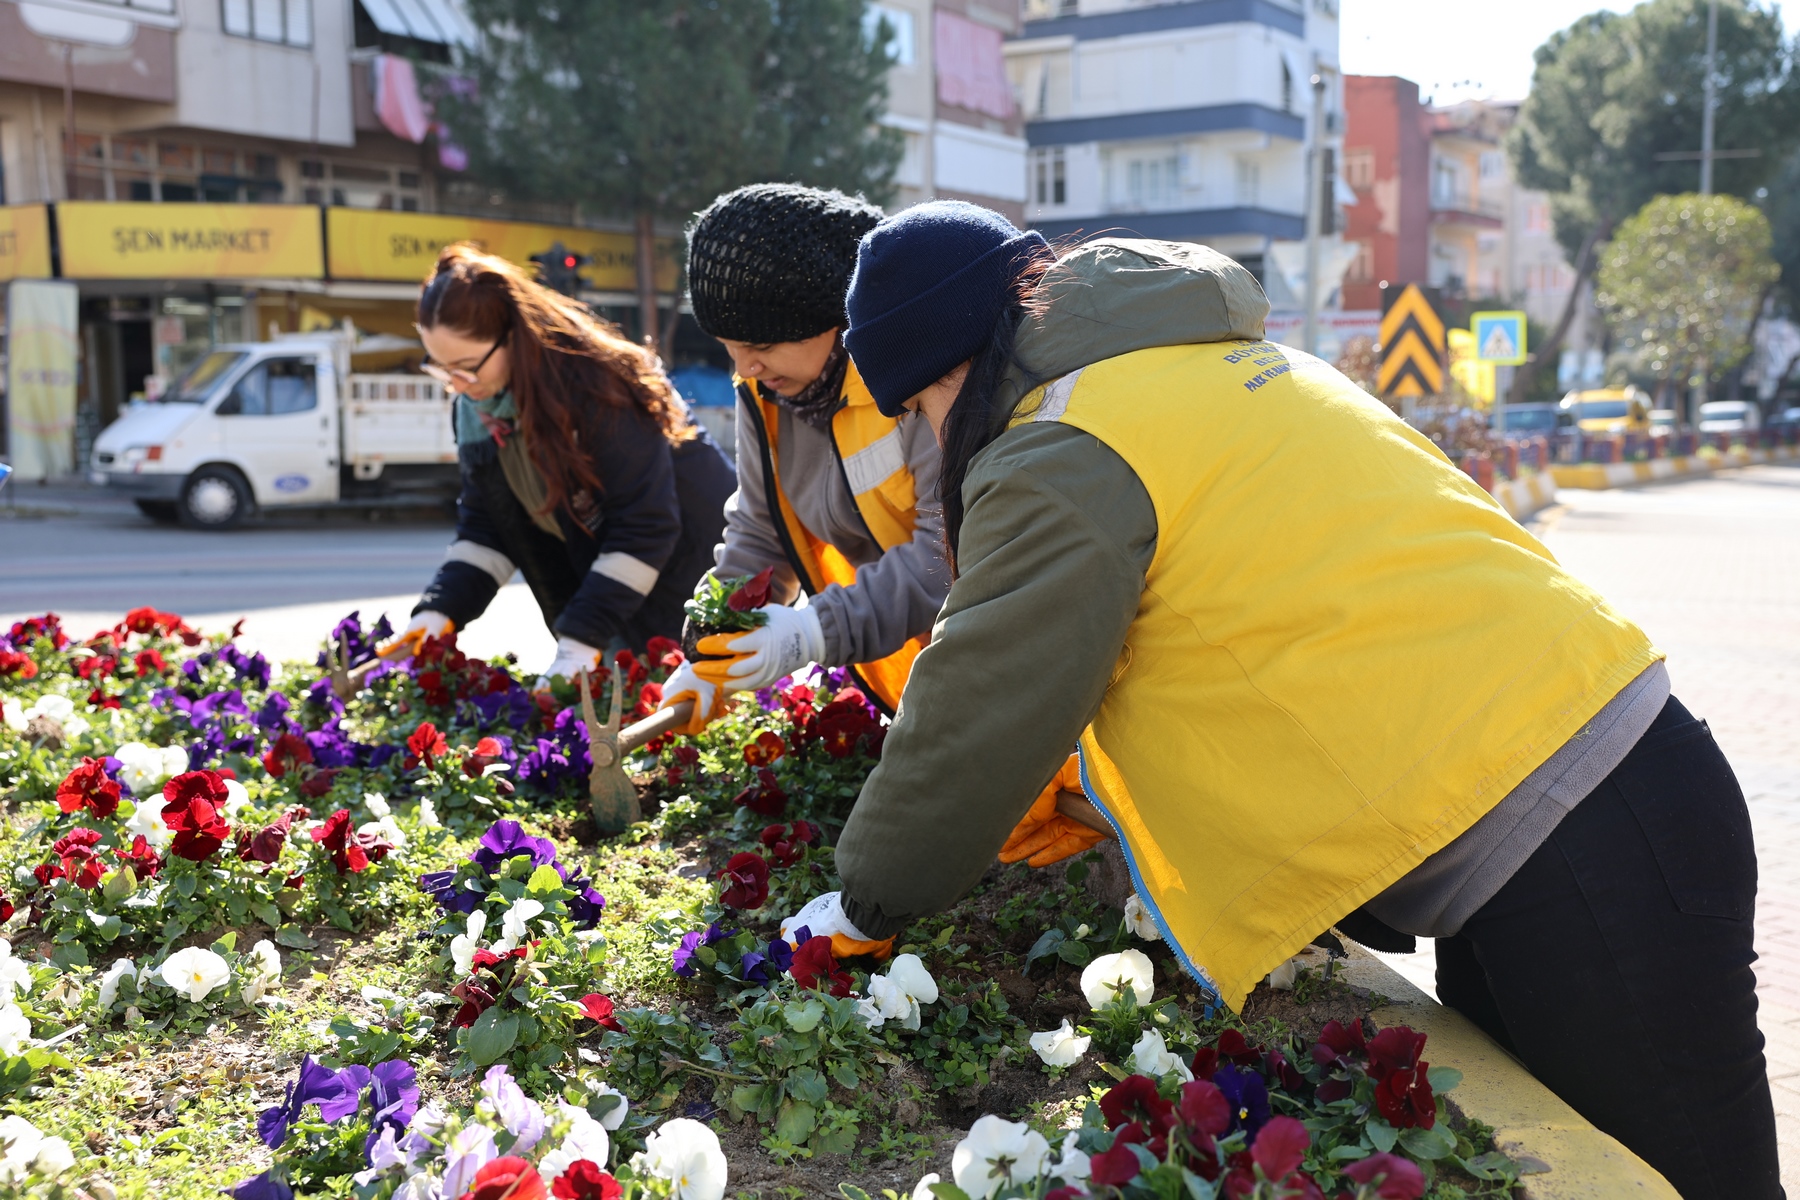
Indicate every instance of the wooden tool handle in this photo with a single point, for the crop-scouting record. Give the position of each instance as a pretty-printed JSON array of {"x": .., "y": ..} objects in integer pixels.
[
  {"x": 655, "y": 725},
  {"x": 1080, "y": 809}
]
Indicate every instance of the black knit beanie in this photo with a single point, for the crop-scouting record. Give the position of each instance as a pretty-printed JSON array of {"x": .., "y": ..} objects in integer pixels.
[{"x": 771, "y": 262}]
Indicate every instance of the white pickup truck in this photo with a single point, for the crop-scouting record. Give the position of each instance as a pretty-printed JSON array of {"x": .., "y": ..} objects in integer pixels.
[{"x": 280, "y": 424}]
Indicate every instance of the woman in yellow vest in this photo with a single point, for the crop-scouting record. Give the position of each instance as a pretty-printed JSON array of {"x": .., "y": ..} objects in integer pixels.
[
  {"x": 835, "y": 495},
  {"x": 1317, "y": 678}
]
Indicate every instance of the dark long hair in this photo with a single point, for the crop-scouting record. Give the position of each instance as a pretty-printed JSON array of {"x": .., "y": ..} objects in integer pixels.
[
  {"x": 568, "y": 368},
  {"x": 975, "y": 419}
]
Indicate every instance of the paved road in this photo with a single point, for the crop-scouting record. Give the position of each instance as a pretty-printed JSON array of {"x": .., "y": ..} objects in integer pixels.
[{"x": 89, "y": 557}]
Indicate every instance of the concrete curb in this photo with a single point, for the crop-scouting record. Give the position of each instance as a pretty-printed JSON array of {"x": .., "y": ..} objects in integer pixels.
[
  {"x": 1596, "y": 476},
  {"x": 1529, "y": 1120},
  {"x": 1522, "y": 498}
]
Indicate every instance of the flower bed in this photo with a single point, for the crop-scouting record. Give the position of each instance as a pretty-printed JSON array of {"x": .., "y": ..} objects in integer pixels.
[{"x": 267, "y": 939}]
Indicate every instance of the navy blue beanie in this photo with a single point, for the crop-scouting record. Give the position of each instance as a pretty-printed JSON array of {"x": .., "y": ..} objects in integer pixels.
[{"x": 930, "y": 283}]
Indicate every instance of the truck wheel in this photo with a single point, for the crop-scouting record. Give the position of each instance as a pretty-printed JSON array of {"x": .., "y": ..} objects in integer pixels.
[
  {"x": 214, "y": 498},
  {"x": 163, "y": 512}
]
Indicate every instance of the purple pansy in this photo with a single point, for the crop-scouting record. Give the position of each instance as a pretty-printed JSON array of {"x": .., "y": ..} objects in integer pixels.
[
  {"x": 685, "y": 965},
  {"x": 505, "y": 839},
  {"x": 330, "y": 1090}
]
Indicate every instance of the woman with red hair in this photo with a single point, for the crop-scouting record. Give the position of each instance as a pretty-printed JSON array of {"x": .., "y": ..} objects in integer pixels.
[{"x": 580, "y": 467}]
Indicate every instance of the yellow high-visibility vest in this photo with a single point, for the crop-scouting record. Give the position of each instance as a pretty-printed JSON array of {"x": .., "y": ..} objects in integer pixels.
[
  {"x": 872, "y": 460},
  {"x": 1346, "y": 652}
]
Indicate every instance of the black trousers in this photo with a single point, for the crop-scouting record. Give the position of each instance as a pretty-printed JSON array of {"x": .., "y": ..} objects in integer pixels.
[{"x": 1616, "y": 965}]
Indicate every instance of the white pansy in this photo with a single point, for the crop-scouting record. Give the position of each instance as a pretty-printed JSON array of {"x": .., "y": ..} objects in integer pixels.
[
  {"x": 1152, "y": 1056},
  {"x": 386, "y": 828},
  {"x": 1060, "y": 1047},
  {"x": 428, "y": 818},
  {"x": 613, "y": 1117},
  {"x": 586, "y": 1139},
  {"x": 261, "y": 969},
  {"x": 1139, "y": 920},
  {"x": 13, "y": 714},
  {"x": 57, "y": 708},
  {"x": 1072, "y": 1166},
  {"x": 237, "y": 799},
  {"x": 147, "y": 822},
  {"x": 144, "y": 768},
  {"x": 377, "y": 804},
  {"x": 1111, "y": 975},
  {"x": 15, "y": 1031},
  {"x": 54, "y": 1157},
  {"x": 115, "y": 975},
  {"x": 22, "y": 1142},
  {"x": 464, "y": 945},
  {"x": 687, "y": 1154},
  {"x": 13, "y": 973},
  {"x": 195, "y": 972},
  {"x": 1283, "y": 977},
  {"x": 922, "y": 1189},
  {"x": 897, "y": 995},
  {"x": 998, "y": 1152},
  {"x": 515, "y": 926}
]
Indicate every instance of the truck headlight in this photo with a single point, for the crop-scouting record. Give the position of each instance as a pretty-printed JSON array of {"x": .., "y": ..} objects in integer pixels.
[{"x": 134, "y": 457}]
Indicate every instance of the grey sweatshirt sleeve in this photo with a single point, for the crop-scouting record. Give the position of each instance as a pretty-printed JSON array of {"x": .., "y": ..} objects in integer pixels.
[
  {"x": 897, "y": 596},
  {"x": 751, "y": 542},
  {"x": 1058, "y": 536}
]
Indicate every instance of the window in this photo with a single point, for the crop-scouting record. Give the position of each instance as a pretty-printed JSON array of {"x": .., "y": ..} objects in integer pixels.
[
  {"x": 1493, "y": 164},
  {"x": 1249, "y": 183},
  {"x": 137, "y": 168},
  {"x": 283, "y": 22},
  {"x": 1537, "y": 217},
  {"x": 1362, "y": 267},
  {"x": 360, "y": 185},
  {"x": 1150, "y": 182},
  {"x": 901, "y": 48},
  {"x": 1359, "y": 168},
  {"x": 1050, "y": 179},
  {"x": 277, "y": 388}
]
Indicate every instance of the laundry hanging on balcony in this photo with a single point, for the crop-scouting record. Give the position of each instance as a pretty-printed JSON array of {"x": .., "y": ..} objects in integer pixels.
[
  {"x": 397, "y": 100},
  {"x": 971, "y": 71}
]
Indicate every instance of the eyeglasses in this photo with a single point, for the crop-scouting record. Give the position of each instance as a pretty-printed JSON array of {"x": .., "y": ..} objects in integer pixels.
[{"x": 454, "y": 375}]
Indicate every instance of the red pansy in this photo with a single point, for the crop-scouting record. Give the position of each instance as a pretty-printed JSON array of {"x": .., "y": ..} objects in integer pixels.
[
  {"x": 192, "y": 812},
  {"x": 648, "y": 701},
  {"x": 584, "y": 1180},
  {"x": 351, "y": 852},
  {"x": 787, "y": 843},
  {"x": 487, "y": 752},
  {"x": 747, "y": 881},
  {"x": 1135, "y": 1098},
  {"x": 814, "y": 967},
  {"x": 753, "y": 594},
  {"x": 509, "y": 1178},
  {"x": 12, "y": 662},
  {"x": 767, "y": 747},
  {"x": 265, "y": 845},
  {"x": 425, "y": 745},
  {"x": 143, "y": 861},
  {"x": 1399, "y": 1178},
  {"x": 599, "y": 1009},
  {"x": 88, "y": 786},
  {"x": 99, "y": 699},
  {"x": 80, "y": 863},
  {"x": 150, "y": 662},
  {"x": 765, "y": 797},
  {"x": 288, "y": 752}
]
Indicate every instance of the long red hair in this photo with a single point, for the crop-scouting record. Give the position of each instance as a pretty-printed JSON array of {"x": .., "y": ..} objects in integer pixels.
[{"x": 569, "y": 368}]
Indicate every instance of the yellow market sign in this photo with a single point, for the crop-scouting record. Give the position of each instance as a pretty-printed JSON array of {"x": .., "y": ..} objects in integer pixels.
[
  {"x": 24, "y": 242},
  {"x": 403, "y": 246},
  {"x": 112, "y": 240}
]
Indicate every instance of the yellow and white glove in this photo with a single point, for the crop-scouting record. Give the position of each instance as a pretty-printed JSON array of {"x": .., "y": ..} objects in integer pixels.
[
  {"x": 572, "y": 657},
  {"x": 1044, "y": 836},
  {"x": 824, "y": 916},
  {"x": 424, "y": 624},
  {"x": 789, "y": 640},
  {"x": 684, "y": 684}
]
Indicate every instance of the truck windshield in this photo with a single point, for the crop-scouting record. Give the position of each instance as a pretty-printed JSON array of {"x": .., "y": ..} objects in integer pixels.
[
  {"x": 203, "y": 377},
  {"x": 1531, "y": 418},
  {"x": 1596, "y": 409}
]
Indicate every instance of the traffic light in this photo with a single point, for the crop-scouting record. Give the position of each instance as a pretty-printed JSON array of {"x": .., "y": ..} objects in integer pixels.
[{"x": 559, "y": 268}]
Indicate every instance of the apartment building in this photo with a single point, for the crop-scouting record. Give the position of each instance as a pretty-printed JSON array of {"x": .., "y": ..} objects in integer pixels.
[
  {"x": 1183, "y": 119},
  {"x": 949, "y": 96}
]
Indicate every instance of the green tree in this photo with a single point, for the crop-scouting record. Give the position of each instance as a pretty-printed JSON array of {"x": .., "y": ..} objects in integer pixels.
[
  {"x": 1681, "y": 284},
  {"x": 1613, "y": 92},
  {"x": 647, "y": 109}
]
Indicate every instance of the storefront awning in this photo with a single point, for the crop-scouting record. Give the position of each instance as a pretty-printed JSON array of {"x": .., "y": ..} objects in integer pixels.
[{"x": 439, "y": 21}]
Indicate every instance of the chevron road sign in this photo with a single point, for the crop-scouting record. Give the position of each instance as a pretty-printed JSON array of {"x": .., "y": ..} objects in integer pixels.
[{"x": 1412, "y": 345}]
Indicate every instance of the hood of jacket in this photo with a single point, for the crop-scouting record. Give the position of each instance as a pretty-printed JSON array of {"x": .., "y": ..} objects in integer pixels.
[{"x": 1111, "y": 296}]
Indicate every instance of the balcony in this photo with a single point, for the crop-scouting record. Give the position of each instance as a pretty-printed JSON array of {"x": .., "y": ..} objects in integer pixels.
[{"x": 1466, "y": 209}]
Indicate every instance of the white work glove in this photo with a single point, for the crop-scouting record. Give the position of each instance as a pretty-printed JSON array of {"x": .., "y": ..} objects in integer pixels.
[
  {"x": 824, "y": 916},
  {"x": 789, "y": 640},
  {"x": 684, "y": 684},
  {"x": 424, "y": 624},
  {"x": 572, "y": 657}
]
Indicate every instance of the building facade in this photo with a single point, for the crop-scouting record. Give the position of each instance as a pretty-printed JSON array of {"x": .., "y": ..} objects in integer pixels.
[
  {"x": 949, "y": 97},
  {"x": 1187, "y": 120}
]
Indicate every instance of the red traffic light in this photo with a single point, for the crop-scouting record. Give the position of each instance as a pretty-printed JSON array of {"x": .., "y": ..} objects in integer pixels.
[{"x": 569, "y": 260}]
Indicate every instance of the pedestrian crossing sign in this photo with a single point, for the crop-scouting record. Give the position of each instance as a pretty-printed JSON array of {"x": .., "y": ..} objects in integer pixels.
[{"x": 1499, "y": 337}]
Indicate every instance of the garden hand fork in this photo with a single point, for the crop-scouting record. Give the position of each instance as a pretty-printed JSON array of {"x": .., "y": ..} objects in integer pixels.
[{"x": 613, "y": 795}]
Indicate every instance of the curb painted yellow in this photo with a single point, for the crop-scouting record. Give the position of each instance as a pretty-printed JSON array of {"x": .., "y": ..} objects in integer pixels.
[
  {"x": 1597, "y": 476},
  {"x": 1529, "y": 1120},
  {"x": 1522, "y": 498}
]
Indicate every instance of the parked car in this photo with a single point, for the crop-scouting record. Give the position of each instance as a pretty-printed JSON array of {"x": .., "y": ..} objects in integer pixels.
[
  {"x": 1528, "y": 420},
  {"x": 1787, "y": 419},
  {"x": 1664, "y": 421},
  {"x": 1729, "y": 416},
  {"x": 1608, "y": 410}
]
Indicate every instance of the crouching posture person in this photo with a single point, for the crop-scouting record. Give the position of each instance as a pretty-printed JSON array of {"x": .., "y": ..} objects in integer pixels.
[
  {"x": 580, "y": 468},
  {"x": 1316, "y": 676}
]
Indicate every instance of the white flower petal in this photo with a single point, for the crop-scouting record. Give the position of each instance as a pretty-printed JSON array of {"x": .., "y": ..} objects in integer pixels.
[
  {"x": 1060, "y": 1047},
  {"x": 1111, "y": 975}
]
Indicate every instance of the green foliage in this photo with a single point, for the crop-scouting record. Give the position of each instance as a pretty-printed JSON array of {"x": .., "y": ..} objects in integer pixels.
[
  {"x": 711, "y": 608},
  {"x": 795, "y": 1049},
  {"x": 1682, "y": 282},
  {"x": 963, "y": 1038},
  {"x": 654, "y": 1054}
]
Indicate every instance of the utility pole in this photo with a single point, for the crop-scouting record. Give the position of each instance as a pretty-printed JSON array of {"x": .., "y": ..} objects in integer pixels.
[
  {"x": 1706, "y": 126},
  {"x": 68, "y": 50},
  {"x": 1315, "y": 215}
]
